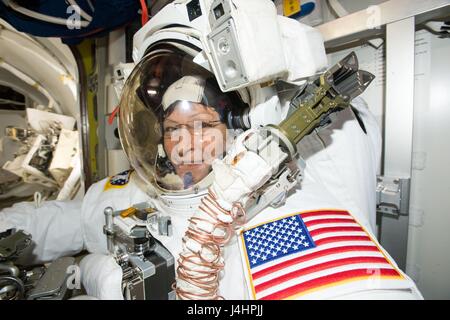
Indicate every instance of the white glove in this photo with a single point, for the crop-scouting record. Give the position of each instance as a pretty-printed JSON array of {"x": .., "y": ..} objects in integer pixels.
[
  {"x": 101, "y": 277},
  {"x": 248, "y": 166}
]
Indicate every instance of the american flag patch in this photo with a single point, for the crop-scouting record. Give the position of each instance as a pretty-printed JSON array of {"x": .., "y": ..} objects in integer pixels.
[
  {"x": 304, "y": 253},
  {"x": 118, "y": 181}
]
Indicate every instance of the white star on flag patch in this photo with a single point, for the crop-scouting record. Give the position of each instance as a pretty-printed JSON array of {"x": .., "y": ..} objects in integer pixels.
[{"x": 320, "y": 252}]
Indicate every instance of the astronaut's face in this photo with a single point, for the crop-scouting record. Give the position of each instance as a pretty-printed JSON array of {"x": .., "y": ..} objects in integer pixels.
[{"x": 193, "y": 137}]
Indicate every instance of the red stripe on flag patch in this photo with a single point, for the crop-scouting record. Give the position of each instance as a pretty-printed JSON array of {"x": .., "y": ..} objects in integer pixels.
[
  {"x": 323, "y": 221},
  {"x": 333, "y": 229},
  {"x": 323, "y": 281},
  {"x": 311, "y": 256},
  {"x": 323, "y": 213},
  {"x": 323, "y": 241},
  {"x": 317, "y": 268}
]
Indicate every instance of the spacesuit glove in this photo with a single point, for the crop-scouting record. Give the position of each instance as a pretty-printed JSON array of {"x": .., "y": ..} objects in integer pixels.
[
  {"x": 101, "y": 277},
  {"x": 249, "y": 164}
]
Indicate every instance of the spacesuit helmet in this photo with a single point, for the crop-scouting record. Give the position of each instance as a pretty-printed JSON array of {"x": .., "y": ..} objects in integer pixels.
[{"x": 174, "y": 121}]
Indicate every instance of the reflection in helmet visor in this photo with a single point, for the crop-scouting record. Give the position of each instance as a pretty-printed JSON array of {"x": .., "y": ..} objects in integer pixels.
[{"x": 173, "y": 121}]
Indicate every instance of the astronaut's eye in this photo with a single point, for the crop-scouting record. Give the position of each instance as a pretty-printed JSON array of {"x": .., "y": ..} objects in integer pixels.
[
  {"x": 197, "y": 127},
  {"x": 170, "y": 129},
  {"x": 210, "y": 124}
]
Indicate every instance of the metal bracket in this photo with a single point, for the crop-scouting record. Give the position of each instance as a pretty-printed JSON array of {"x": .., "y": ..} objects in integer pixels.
[
  {"x": 120, "y": 74},
  {"x": 13, "y": 243},
  {"x": 92, "y": 83},
  {"x": 393, "y": 195}
]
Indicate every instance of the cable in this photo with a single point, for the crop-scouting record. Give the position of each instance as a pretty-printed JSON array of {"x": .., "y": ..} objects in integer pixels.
[
  {"x": 113, "y": 115},
  {"x": 144, "y": 17},
  {"x": 39, "y": 16},
  {"x": 201, "y": 259},
  {"x": 7, "y": 101},
  {"x": 90, "y": 5}
]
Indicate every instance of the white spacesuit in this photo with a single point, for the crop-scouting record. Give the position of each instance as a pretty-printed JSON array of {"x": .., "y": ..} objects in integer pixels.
[{"x": 171, "y": 95}]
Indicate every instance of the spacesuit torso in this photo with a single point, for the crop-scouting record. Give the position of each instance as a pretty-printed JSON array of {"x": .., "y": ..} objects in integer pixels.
[
  {"x": 341, "y": 161},
  {"x": 323, "y": 187}
]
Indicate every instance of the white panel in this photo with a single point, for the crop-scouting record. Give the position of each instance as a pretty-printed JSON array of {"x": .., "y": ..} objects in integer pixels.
[
  {"x": 428, "y": 252},
  {"x": 370, "y": 21},
  {"x": 116, "y": 159},
  {"x": 399, "y": 98},
  {"x": 428, "y": 259},
  {"x": 117, "y": 162}
]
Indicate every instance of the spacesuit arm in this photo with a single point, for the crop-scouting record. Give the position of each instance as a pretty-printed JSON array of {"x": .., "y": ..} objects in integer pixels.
[
  {"x": 371, "y": 127},
  {"x": 201, "y": 260},
  {"x": 55, "y": 228}
]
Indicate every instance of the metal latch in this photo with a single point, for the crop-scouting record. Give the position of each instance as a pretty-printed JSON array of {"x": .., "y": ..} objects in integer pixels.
[
  {"x": 12, "y": 243},
  {"x": 53, "y": 284},
  {"x": 393, "y": 195}
]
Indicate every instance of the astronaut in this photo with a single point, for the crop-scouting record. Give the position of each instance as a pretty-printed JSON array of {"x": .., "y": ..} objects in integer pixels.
[{"x": 184, "y": 130}]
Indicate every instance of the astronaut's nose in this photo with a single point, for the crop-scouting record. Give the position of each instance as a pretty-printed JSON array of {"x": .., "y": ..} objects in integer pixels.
[{"x": 185, "y": 150}]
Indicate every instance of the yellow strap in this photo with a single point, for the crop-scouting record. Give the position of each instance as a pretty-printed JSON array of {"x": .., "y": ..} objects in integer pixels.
[{"x": 128, "y": 212}]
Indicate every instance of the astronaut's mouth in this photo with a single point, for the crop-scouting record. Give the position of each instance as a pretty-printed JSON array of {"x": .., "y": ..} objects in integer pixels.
[{"x": 189, "y": 165}]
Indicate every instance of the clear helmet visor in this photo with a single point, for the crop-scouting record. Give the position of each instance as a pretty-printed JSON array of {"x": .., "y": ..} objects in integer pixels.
[{"x": 174, "y": 122}]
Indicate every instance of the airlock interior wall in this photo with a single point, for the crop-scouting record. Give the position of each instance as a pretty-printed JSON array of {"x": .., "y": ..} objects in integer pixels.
[{"x": 427, "y": 257}]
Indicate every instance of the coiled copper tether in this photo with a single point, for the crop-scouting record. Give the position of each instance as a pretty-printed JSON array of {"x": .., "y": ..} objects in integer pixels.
[{"x": 198, "y": 270}]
